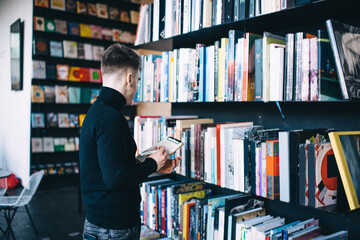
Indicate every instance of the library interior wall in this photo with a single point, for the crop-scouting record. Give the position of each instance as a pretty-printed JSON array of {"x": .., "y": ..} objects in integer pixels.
[{"x": 15, "y": 106}]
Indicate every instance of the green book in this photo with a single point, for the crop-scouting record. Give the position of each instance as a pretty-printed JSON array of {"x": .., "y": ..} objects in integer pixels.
[
  {"x": 85, "y": 95},
  {"x": 74, "y": 94}
]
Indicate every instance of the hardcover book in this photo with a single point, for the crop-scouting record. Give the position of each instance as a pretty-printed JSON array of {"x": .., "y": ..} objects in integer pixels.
[
  {"x": 73, "y": 120},
  {"x": 80, "y": 7},
  {"x": 39, "y": 69},
  {"x": 74, "y": 95},
  {"x": 58, "y": 4},
  {"x": 49, "y": 94},
  {"x": 116, "y": 35},
  {"x": 61, "y": 94},
  {"x": 37, "y": 120},
  {"x": 42, "y": 3},
  {"x": 74, "y": 74},
  {"x": 71, "y": 6},
  {"x": 40, "y": 46},
  {"x": 39, "y": 24},
  {"x": 114, "y": 13},
  {"x": 91, "y": 9},
  {"x": 102, "y": 10},
  {"x": 51, "y": 120},
  {"x": 124, "y": 16},
  {"x": 70, "y": 49},
  {"x": 85, "y": 30},
  {"x": 61, "y": 26},
  {"x": 345, "y": 45},
  {"x": 37, "y": 94},
  {"x": 63, "y": 120},
  {"x": 272, "y": 169},
  {"x": 62, "y": 72},
  {"x": 74, "y": 28},
  {"x": 56, "y": 49},
  {"x": 96, "y": 31}
]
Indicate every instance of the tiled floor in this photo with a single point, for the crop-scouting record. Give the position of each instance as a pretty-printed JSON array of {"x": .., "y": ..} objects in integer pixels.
[{"x": 55, "y": 213}]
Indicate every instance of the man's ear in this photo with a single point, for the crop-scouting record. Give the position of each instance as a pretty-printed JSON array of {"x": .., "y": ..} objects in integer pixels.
[{"x": 129, "y": 79}]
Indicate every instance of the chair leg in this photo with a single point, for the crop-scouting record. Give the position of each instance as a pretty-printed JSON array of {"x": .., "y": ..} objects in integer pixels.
[
  {"x": 32, "y": 222},
  {"x": 9, "y": 219}
]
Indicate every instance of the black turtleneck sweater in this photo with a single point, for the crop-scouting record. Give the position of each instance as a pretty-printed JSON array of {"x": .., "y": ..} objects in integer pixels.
[{"x": 109, "y": 174}]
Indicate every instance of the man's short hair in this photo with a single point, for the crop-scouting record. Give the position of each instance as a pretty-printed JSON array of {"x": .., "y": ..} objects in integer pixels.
[{"x": 119, "y": 57}]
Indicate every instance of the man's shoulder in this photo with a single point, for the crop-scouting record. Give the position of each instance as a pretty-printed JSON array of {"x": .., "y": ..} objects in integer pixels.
[{"x": 103, "y": 113}]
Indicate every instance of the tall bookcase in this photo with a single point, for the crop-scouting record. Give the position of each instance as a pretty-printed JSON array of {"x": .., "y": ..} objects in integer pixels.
[
  {"x": 340, "y": 115},
  {"x": 53, "y": 161}
]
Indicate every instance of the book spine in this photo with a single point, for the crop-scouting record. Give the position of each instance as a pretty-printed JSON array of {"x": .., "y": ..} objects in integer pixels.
[
  {"x": 289, "y": 67},
  {"x": 207, "y": 13},
  {"x": 251, "y": 8},
  {"x": 302, "y": 173},
  {"x": 229, "y": 8},
  {"x": 305, "y": 83},
  {"x": 245, "y": 68},
  {"x": 298, "y": 66},
  {"x": 272, "y": 169},
  {"x": 314, "y": 81},
  {"x": 163, "y": 211},
  {"x": 236, "y": 10},
  {"x": 258, "y": 69},
  {"x": 242, "y": 8},
  {"x": 216, "y": 69},
  {"x": 231, "y": 66},
  {"x": 224, "y": 11},
  {"x": 311, "y": 174},
  {"x": 214, "y": 12}
]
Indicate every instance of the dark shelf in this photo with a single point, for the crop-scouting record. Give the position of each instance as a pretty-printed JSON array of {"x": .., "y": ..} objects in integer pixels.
[
  {"x": 309, "y": 18},
  {"x": 52, "y": 14},
  {"x": 52, "y": 82},
  {"x": 69, "y": 61},
  {"x": 55, "y": 132},
  {"x": 51, "y": 153},
  {"x": 60, "y": 37}
]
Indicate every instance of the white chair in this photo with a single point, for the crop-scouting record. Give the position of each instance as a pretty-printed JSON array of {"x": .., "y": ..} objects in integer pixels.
[
  {"x": 3, "y": 181},
  {"x": 10, "y": 204}
]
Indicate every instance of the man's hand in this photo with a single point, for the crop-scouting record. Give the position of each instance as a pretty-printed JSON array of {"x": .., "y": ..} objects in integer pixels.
[
  {"x": 170, "y": 165},
  {"x": 161, "y": 156}
]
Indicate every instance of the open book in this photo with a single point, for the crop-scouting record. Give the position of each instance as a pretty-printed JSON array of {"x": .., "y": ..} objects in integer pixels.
[{"x": 171, "y": 145}]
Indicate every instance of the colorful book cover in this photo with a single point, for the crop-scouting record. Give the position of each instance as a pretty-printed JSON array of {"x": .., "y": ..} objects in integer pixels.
[
  {"x": 327, "y": 76},
  {"x": 70, "y": 49},
  {"x": 258, "y": 69},
  {"x": 239, "y": 70},
  {"x": 116, "y": 35},
  {"x": 91, "y": 9},
  {"x": 323, "y": 175},
  {"x": 74, "y": 28},
  {"x": 94, "y": 93},
  {"x": 60, "y": 26},
  {"x": 56, "y": 49},
  {"x": 58, "y": 5},
  {"x": 233, "y": 37},
  {"x": 40, "y": 46},
  {"x": 61, "y": 94},
  {"x": 127, "y": 37},
  {"x": 314, "y": 82},
  {"x": 62, "y": 72},
  {"x": 39, "y": 23},
  {"x": 81, "y": 119},
  {"x": 80, "y": 7},
  {"x": 63, "y": 120},
  {"x": 96, "y": 31},
  {"x": 71, "y": 6},
  {"x": 59, "y": 144},
  {"x": 102, "y": 10},
  {"x": 74, "y": 121},
  {"x": 37, "y": 120},
  {"x": 272, "y": 169},
  {"x": 107, "y": 34},
  {"x": 51, "y": 120},
  {"x": 42, "y": 3},
  {"x": 74, "y": 74},
  {"x": 124, "y": 16},
  {"x": 95, "y": 75},
  {"x": 289, "y": 68},
  {"x": 97, "y": 52},
  {"x": 74, "y": 95},
  {"x": 114, "y": 13},
  {"x": 37, "y": 94},
  {"x": 49, "y": 94},
  {"x": 85, "y": 30}
]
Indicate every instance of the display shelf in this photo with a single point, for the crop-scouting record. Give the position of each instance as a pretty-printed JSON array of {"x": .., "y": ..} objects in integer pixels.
[
  {"x": 69, "y": 61},
  {"x": 54, "y": 82}
]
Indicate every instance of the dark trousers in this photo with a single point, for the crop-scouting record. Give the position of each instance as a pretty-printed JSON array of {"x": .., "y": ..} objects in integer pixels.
[{"x": 93, "y": 232}]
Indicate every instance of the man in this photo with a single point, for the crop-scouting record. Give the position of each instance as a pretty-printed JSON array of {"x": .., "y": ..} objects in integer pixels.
[{"x": 109, "y": 174}]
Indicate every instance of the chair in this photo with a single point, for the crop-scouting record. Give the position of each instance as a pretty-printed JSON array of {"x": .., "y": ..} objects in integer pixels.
[
  {"x": 10, "y": 204},
  {"x": 3, "y": 181}
]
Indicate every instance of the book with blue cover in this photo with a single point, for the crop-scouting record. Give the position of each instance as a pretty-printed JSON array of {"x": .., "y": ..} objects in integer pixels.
[
  {"x": 56, "y": 49},
  {"x": 74, "y": 94}
]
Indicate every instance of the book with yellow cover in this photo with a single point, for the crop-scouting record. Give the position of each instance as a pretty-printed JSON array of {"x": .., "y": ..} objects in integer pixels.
[
  {"x": 85, "y": 30},
  {"x": 37, "y": 94},
  {"x": 81, "y": 119},
  {"x": 346, "y": 147}
]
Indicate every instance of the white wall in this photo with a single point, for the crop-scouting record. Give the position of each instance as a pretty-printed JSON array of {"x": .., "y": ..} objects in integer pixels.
[{"x": 15, "y": 105}]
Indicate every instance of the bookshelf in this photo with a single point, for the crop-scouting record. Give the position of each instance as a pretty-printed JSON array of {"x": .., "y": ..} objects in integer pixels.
[
  {"x": 340, "y": 115},
  {"x": 62, "y": 166}
]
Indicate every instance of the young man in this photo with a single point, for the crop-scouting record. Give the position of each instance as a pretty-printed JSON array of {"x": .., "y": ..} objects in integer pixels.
[{"x": 110, "y": 176}]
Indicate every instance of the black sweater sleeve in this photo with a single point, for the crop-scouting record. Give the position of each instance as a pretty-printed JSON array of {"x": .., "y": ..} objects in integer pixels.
[{"x": 118, "y": 167}]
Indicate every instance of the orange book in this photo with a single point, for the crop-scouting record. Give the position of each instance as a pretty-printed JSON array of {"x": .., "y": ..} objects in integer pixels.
[
  {"x": 187, "y": 219},
  {"x": 272, "y": 169},
  {"x": 81, "y": 119}
]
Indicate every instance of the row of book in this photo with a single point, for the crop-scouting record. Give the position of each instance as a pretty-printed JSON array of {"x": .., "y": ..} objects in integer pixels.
[
  {"x": 244, "y": 67},
  {"x": 57, "y": 169},
  {"x": 57, "y": 120},
  {"x": 63, "y": 94},
  {"x": 189, "y": 210},
  {"x": 271, "y": 163},
  {"x": 67, "y": 49},
  {"x": 83, "y": 30},
  {"x": 64, "y": 72},
  {"x": 54, "y": 144},
  {"x": 172, "y": 18},
  {"x": 99, "y": 10}
]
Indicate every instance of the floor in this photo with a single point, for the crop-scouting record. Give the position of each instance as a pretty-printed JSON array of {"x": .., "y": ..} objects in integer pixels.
[{"x": 55, "y": 213}]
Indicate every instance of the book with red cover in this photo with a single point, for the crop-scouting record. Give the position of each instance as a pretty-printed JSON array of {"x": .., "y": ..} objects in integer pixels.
[{"x": 272, "y": 169}]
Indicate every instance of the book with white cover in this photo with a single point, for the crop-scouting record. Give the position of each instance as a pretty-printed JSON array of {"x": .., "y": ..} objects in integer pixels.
[
  {"x": 277, "y": 52},
  {"x": 48, "y": 144}
]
